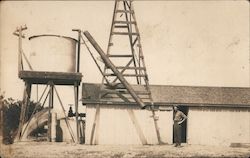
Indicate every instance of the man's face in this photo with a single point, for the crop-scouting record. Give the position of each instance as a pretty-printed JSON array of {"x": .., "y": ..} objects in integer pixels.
[{"x": 175, "y": 108}]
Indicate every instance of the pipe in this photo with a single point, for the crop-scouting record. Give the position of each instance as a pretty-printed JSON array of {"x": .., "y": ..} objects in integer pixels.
[
  {"x": 109, "y": 64},
  {"x": 78, "y": 49}
]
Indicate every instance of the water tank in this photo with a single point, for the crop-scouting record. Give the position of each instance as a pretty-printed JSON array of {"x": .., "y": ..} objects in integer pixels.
[{"x": 53, "y": 53}]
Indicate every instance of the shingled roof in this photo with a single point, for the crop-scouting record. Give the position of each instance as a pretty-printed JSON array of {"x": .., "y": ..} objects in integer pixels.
[{"x": 192, "y": 95}]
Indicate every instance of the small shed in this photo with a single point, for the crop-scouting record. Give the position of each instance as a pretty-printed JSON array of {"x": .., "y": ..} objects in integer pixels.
[{"x": 216, "y": 116}]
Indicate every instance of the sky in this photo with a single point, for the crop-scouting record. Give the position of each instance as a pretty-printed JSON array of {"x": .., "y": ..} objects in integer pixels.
[{"x": 195, "y": 43}]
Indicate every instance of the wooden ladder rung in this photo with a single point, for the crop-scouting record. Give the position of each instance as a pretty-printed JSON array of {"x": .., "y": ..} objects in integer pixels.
[
  {"x": 125, "y": 0},
  {"x": 125, "y": 22},
  {"x": 124, "y": 11},
  {"x": 125, "y": 33},
  {"x": 121, "y": 26},
  {"x": 125, "y": 75},
  {"x": 131, "y": 68},
  {"x": 120, "y": 55}
]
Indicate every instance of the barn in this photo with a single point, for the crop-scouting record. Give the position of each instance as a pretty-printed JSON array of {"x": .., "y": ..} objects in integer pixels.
[{"x": 216, "y": 116}]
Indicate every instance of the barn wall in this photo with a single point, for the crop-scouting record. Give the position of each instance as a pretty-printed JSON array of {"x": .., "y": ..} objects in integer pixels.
[
  {"x": 116, "y": 126},
  {"x": 218, "y": 126}
]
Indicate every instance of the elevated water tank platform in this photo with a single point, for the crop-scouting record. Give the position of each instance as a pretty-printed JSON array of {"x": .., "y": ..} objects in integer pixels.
[{"x": 44, "y": 77}]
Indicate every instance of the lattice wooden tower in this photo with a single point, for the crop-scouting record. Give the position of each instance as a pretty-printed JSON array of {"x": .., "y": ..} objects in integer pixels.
[{"x": 124, "y": 63}]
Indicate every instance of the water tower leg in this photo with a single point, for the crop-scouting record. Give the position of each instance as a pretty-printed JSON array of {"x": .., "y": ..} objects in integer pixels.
[
  {"x": 76, "y": 90},
  {"x": 22, "y": 119},
  {"x": 51, "y": 95}
]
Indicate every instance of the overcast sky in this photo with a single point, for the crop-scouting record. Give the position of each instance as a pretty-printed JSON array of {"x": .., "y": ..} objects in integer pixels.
[{"x": 197, "y": 43}]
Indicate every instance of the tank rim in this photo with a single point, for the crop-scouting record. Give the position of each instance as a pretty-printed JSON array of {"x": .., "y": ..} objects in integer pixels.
[{"x": 35, "y": 36}]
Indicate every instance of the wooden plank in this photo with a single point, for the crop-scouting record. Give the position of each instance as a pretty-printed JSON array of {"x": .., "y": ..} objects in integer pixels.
[
  {"x": 120, "y": 26},
  {"x": 120, "y": 55},
  {"x": 132, "y": 68},
  {"x": 125, "y": 33},
  {"x": 1, "y": 124},
  {"x": 49, "y": 75},
  {"x": 95, "y": 124},
  {"x": 125, "y": 75},
  {"x": 125, "y": 22},
  {"x": 76, "y": 91},
  {"x": 124, "y": 11},
  {"x": 136, "y": 123},
  {"x": 43, "y": 77},
  {"x": 51, "y": 100},
  {"x": 26, "y": 97},
  {"x": 137, "y": 126}
]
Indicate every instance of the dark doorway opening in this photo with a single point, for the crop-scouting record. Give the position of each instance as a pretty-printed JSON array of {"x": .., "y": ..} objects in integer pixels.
[{"x": 184, "y": 109}]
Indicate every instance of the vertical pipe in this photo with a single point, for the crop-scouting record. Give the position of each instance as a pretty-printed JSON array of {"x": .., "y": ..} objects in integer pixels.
[
  {"x": 78, "y": 50},
  {"x": 76, "y": 89},
  {"x": 19, "y": 50},
  {"x": 53, "y": 126}
]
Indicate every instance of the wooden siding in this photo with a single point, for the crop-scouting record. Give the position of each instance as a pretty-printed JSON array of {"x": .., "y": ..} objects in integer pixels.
[
  {"x": 218, "y": 126},
  {"x": 116, "y": 126}
]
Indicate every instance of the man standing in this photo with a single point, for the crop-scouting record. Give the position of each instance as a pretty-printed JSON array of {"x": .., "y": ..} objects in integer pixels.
[{"x": 179, "y": 118}]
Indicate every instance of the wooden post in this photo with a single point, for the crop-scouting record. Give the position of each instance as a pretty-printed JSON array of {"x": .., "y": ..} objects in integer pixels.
[
  {"x": 25, "y": 102},
  {"x": 50, "y": 108},
  {"x": 76, "y": 91},
  {"x": 137, "y": 126},
  {"x": 53, "y": 126},
  {"x": 1, "y": 123}
]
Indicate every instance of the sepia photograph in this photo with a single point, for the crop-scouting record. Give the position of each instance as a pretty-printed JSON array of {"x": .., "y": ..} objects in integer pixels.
[{"x": 124, "y": 78}]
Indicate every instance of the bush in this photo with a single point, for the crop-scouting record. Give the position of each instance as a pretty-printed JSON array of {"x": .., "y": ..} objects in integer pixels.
[{"x": 11, "y": 114}]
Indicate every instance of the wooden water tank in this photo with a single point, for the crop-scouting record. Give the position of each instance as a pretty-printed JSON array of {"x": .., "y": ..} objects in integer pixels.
[{"x": 53, "y": 53}]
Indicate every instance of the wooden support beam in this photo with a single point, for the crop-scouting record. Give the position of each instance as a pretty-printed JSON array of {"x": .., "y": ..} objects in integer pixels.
[
  {"x": 1, "y": 123},
  {"x": 132, "y": 68},
  {"x": 43, "y": 77},
  {"x": 126, "y": 75},
  {"x": 125, "y": 33},
  {"x": 120, "y": 55},
  {"x": 95, "y": 125},
  {"x": 120, "y": 26},
  {"x": 125, "y": 11},
  {"x": 135, "y": 122},
  {"x": 137, "y": 127},
  {"x": 76, "y": 93},
  {"x": 53, "y": 126},
  {"x": 51, "y": 101},
  {"x": 125, "y": 22},
  {"x": 25, "y": 102}
]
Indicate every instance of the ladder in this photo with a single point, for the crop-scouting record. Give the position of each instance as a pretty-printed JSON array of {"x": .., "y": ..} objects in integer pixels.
[{"x": 124, "y": 62}]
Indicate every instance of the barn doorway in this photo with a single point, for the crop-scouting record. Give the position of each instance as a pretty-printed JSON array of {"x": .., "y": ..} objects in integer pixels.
[{"x": 184, "y": 109}]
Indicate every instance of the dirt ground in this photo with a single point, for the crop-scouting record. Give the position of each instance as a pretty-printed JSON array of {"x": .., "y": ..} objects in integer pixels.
[{"x": 66, "y": 150}]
